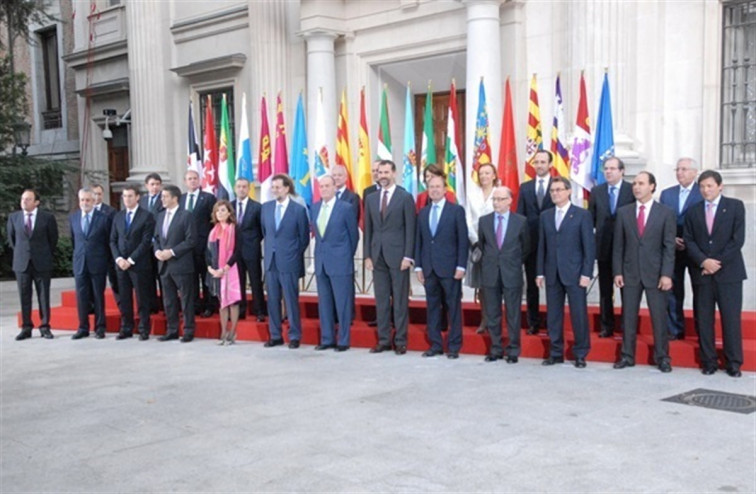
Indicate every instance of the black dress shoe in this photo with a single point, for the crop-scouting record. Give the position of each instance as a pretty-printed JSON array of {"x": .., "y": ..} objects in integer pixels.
[
  {"x": 380, "y": 349},
  {"x": 665, "y": 367},
  {"x": 372, "y": 323},
  {"x": 80, "y": 334},
  {"x": 123, "y": 336},
  {"x": 294, "y": 344},
  {"x": 734, "y": 373},
  {"x": 553, "y": 360},
  {"x": 580, "y": 363},
  {"x": 678, "y": 336},
  {"x": 342, "y": 348},
  {"x": 24, "y": 334},
  {"x": 606, "y": 333},
  {"x": 400, "y": 350},
  {"x": 187, "y": 338},
  {"x": 260, "y": 318},
  {"x": 168, "y": 337},
  {"x": 511, "y": 359},
  {"x": 622, "y": 363},
  {"x": 100, "y": 335},
  {"x": 452, "y": 355},
  {"x": 492, "y": 358},
  {"x": 242, "y": 315},
  {"x": 144, "y": 337},
  {"x": 46, "y": 334},
  {"x": 324, "y": 347},
  {"x": 206, "y": 313},
  {"x": 432, "y": 353},
  {"x": 272, "y": 343},
  {"x": 707, "y": 371},
  {"x": 532, "y": 330}
]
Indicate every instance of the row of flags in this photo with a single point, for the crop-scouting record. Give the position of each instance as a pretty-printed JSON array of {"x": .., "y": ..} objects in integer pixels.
[{"x": 581, "y": 161}]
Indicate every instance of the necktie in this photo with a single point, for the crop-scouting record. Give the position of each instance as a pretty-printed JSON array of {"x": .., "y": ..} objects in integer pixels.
[
  {"x": 152, "y": 202},
  {"x": 613, "y": 198},
  {"x": 434, "y": 220},
  {"x": 710, "y": 217},
  {"x": 240, "y": 211},
  {"x": 641, "y": 220},
  {"x": 500, "y": 230},
  {"x": 323, "y": 219},
  {"x": 166, "y": 223},
  {"x": 384, "y": 204},
  {"x": 191, "y": 203},
  {"x": 683, "y": 198},
  {"x": 279, "y": 208},
  {"x": 85, "y": 225},
  {"x": 559, "y": 218},
  {"x": 540, "y": 193},
  {"x": 128, "y": 221},
  {"x": 338, "y": 195},
  {"x": 28, "y": 224}
]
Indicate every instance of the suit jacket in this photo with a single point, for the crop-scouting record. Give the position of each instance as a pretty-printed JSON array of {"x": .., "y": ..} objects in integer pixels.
[
  {"x": 444, "y": 252},
  {"x": 527, "y": 205},
  {"x": 136, "y": 244},
  {"x": 569, "y": 253},
  {"x": 37, "y": 249},
  {"x": 603, "y": 220},
  {"x": 250, "y": 230},
  {"x": 670, "y": 197},
  {"x": 353, "y": 200},
  {"x": 369, "y": 190},
  {"x": 334, "y": 251},
  {"x": 144, "y": 202},
  {"x": 643, "y": 260},
  {"x": 201, "y": 213},
  {"x": 394, "y": 236},
  {"x": 286, "y": 245},
  {"x": 108, "y": 210},
  {"x": 725, "y": 243},
  {"x": 181, "y": 238},
  {"x": 91, "y": 252},
  {"x": 505, "y": 263},
  {"x": 422, "y": 199}
]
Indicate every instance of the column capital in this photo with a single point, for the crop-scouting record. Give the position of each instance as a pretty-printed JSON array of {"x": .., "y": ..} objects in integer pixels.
[{"x": 320, "y": 34}]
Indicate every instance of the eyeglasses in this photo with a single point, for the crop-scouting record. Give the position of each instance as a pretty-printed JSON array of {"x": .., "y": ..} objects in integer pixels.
[
  {"x": 560, "y": 189},
  {"x": 501, "y": 199}
]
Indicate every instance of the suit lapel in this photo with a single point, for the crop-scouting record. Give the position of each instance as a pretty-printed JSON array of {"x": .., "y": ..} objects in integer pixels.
[{"x": 719, "y": 215}]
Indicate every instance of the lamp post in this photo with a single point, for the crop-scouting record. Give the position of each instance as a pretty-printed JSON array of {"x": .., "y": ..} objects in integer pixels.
[{"x": 21, "y": 136}]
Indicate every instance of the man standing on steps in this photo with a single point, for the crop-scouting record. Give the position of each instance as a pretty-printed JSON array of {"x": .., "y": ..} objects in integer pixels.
[
  {"x": 249, "y": 223},
  {"x": 153, "y": 203},
  {"x": 99, "y": 193}
]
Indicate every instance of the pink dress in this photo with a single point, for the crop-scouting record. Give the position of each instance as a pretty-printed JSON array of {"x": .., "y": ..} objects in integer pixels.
[{"x": 230, "y": 287}]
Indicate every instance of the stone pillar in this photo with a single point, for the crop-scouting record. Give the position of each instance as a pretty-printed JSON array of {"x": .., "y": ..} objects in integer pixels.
[{"x": 321, "y": 76}]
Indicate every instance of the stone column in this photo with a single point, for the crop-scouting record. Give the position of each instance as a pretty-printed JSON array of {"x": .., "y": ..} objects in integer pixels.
[{"x": 321, "y": 76}]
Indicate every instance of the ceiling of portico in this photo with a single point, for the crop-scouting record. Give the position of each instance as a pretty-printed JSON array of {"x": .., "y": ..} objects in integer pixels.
[{"x": 439, "y": 69}]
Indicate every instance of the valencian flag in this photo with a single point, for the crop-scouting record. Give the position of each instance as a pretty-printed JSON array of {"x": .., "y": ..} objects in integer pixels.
[
  {"x": 281, "y": 158},
  {"x": 265, "y": 167},
  {"x": 343, "y": 152},
  {"x": 558, "y": 138},
  {"x": 364, "y": 166},
  {"x": 428, "y": 146},
  {"x": 300, "y": 167},
  {"x": 320, "y": 164},
  {"x": 210, "y": 153},
  {"x": 452, "y": 164},
  {"x": 481, "y": 146},
  {"x": 193, "y": 159},
  {"x": 508, "y": 151},
  {"x": 226, "y": 165},
  {"x": 244, "y": 150},
  {"x": 384, "y": 131},
  {"x": 409, "y": 170},
  {"x": 580, "y": 153},
  {"x": 534, "y": 141},
  {"x": 603, "y": 142}
]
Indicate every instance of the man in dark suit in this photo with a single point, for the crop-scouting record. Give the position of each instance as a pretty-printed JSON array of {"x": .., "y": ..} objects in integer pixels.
[
  {"x": 603, "y": 204},
  {"x": 131, "y": 247},
  {"x": 339, "y": 174},
  {"x": 389, "y": 244},
  {"x": 33, "y": 236},
  {"x": 566, "y": 251},
  {"x": 375, "y": 186},
  {"x": 173, "y": 243},
  {"x": 679, "y": 198},
  {"x": 285, "y": 227},
  {"x": 336, "y": 238},
  {"x": 152, "y": 202},
  {"x": 534, "y": 198},
  {"x": 504, "y": 239},
  {"x": 248, "y": 222},
  {"x": 99, "y": 193},
  {"x": 714, "y": 237},
  {"x": 200, "y": 204},
  {"x": 90, "y": 235},
  {"x": 644, "y": 261},
  {"x": 441, "y": 248}
]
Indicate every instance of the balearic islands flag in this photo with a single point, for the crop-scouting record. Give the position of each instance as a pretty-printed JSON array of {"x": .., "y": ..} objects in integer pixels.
[{"x": 558, "y": 139}]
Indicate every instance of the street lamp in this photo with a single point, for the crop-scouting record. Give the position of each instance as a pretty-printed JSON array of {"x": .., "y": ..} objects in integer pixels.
[{"x": 21, "y": 136}]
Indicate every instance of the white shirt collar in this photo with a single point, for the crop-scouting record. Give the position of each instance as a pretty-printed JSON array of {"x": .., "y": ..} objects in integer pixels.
[
  {"x": 331, "y": 202},
  {"x": 564, "y": 208},
  {"x": 715, "y": 202},
  {"x": 648, "y": 204},
  {"x": 440, "y": 203},
  {"x": 89, "y": 213},
  {"x": 172, "y": 210},
  {"x": 133, "y": 211}
]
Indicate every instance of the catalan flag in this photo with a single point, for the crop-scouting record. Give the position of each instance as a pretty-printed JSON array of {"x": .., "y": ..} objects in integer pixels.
[{"x": 343, "y": 151}]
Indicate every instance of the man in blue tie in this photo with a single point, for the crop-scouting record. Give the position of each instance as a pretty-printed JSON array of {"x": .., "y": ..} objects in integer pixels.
[{"x": 680, "y": 198}]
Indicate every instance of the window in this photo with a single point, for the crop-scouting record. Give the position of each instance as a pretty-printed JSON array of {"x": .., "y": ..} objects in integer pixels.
[
  {"x": 217, "y": 98},
  {"x": 51, "y": 118},
  {"x": 738, "y": 137}
]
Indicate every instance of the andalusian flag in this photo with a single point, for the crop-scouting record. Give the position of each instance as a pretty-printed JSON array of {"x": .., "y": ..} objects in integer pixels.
[
  {"x": 384, "y": 131},
  {"x": 428, "y": 146},
  {"x": 343, "y": 152},
  {"x": 452, "y": 165},
  {"x": 244, "y": 150},
  {"x": 265, "y": 168},
  {"x": 409, "y": 170},
  {"x": 226, "y": 165},
  {"x": 281, "y": 159},
  {"x": 534, "y": 142},
  {"x": 481, "y": 146},
  {"x": 364, "y": 166},
  {"x": 300, "y": 167},
  {"x": 558, "y": 138}
]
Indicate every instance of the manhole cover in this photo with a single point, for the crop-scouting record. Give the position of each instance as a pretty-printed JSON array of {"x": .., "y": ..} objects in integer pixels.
[{"x": 718, "y": 400}]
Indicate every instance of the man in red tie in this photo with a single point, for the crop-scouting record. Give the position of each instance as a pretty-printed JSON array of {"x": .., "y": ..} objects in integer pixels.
[{"x": 644, "y": 261}]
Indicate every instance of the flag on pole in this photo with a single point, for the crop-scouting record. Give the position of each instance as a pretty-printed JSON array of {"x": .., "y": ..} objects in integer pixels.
[
  {"x": 428, "y": 146},
  {"x": 320, "y": 165},
  {"x": 508, "y": 172},
  {"x": 226, "y": 166},
  {"x": 193, "y": 160},
  {"x": 409, "y": 170},
  {"x": 244, "y": 150},
  {"x": 265, "y": 168},
  {"x": 343, "y": 152},
  {"x": 452, "y": 164},
  {"x": 580, "y": 154},
  {"x": 384, "y": 130},
  {"x": 534, "y": 134},
  {"x": 364, "y": 166},
  {"x": 558, "y": 138},
  {"x": 603, "y": 143},
  {"x": 300, "y": 167},
  {"x": 281, "y": 158},
  {"x": 481, "y": 146},
  {"x": 210, "y": 152}
]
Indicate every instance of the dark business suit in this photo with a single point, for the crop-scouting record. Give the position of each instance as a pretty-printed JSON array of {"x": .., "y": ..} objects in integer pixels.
[
  {"x": 501, "y": 276},
  {"x": 134, "y": 244},
  {"x": 725, "y": 287},
  {"x": 177, "y": 273},
  {"x": 284, "y": 264},
  {"x": 334, "y": 270},
  {"x": 642, "y": 261},
  {"x": 201, "y": 213},
  {"x": 603, "y": 220},
  {"x": 438, "y": 257},
  {"x": 352, "y": 199},
  {"x": 369, "y": 190},
  {"x": 154, "y": 205},
  {"x": 670, "y": 197},
  {"x": 91, "y": 260},
  {"x": 387, "y": 241},
  {"x": 527, "y": 205},
  {"x": 564, "y": 256},
  {"x": 250, "y": 261},
  {"x": 33, "y": 258}
]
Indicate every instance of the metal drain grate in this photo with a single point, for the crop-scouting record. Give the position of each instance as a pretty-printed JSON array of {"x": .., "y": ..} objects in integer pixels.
[{"x": 718, "y": 400}]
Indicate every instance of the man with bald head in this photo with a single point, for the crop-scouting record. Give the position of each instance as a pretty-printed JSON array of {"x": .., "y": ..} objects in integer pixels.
[{"x": 339, "y": 174}]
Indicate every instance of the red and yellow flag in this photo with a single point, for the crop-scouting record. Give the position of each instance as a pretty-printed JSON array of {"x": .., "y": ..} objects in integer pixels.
[
  {"x": 343, "y": 153},
  {"x": 534, "y": 134}
]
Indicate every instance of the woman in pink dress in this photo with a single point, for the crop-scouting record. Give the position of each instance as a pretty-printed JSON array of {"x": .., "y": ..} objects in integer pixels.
[{"x": 223, "y": 248}]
